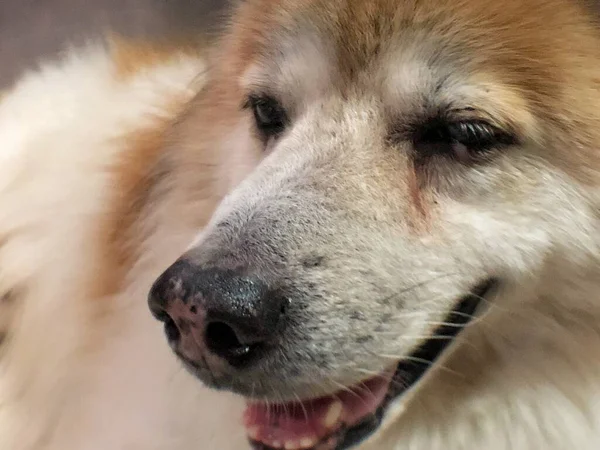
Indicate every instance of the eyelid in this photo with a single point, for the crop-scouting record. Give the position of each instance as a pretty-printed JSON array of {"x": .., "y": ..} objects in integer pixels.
[
  {"x": 250, "y": 100},
  {"x": 471, "y": 114},
  {"x": 256, "y": 97},
  {"x": 480, "y": 130},
  {"x": 266, "y": 129},
  {"x": 466, "y": 139}
]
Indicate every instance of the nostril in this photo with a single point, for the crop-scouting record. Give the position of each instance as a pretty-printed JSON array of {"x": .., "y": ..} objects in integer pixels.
[
  {"x": 229, "y": 313},
  {"x": 171, "y": 329},
  {"x": 222, "y": 340}
]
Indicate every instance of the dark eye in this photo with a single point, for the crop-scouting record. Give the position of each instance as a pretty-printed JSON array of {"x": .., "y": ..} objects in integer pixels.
[
  {"x": 464, "y": 140},
  {"x": 269, "y": 115}
]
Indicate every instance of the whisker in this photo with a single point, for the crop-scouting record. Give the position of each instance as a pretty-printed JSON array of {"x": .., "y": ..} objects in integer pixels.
[
  {"x": 344, "y": 388},
  {"x": 361, "y": 387},
  {"x": 445, "y": 324},
  {"x": 418, "y": 285},
  {"x": 421, "y": 361},
  {"x": 302, "y": 406}
]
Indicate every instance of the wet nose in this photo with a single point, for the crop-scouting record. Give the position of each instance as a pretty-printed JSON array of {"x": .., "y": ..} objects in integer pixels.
[{"x": 224, "y": 312}]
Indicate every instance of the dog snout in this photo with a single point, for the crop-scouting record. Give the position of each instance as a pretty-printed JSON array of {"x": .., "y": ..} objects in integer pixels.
[{"x": 216, "y": 313}]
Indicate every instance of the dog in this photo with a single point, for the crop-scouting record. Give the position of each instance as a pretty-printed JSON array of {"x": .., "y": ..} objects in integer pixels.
[{"x": 361, "y": 224}]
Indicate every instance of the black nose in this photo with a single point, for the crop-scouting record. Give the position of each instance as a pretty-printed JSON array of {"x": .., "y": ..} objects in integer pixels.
[{"x": 224, "y": 312}]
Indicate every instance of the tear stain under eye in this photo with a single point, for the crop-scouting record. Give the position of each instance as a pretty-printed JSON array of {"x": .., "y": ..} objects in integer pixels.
[{"x": 419, "y": 220}]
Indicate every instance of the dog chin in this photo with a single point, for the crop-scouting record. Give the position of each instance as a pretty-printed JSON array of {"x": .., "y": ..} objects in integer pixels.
[{"x": 345, "y": 418}]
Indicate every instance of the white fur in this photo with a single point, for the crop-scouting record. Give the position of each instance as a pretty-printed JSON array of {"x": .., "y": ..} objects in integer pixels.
[
  {"x": 58, "y": 130},
  {"x": 62, "y": 386}
]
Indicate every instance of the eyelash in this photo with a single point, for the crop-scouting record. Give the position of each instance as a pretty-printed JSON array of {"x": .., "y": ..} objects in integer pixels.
[
  {"x": 269, "y": 116},
  {"x": 464, "y": 140}
]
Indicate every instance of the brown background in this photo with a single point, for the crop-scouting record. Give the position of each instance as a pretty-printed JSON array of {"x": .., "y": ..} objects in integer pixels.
[{"x": 31, "y": 29}]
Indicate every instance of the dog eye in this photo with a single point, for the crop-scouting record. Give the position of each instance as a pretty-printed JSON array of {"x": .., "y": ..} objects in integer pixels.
[
  {"x": 269, "y": 116},
  {"x": 463, "y": 140}
]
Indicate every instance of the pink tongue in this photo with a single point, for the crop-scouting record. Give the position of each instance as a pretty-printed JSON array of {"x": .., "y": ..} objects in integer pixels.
[{"x": 312, "y": 420}]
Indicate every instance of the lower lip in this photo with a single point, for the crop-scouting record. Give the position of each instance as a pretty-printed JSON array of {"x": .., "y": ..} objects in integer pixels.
[{"x": 268, "y": 432}]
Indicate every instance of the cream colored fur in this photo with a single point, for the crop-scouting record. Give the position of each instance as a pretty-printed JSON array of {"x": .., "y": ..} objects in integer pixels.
[
  {"x": 70, "y": 379},
  {"x": 74, "y": 377}
]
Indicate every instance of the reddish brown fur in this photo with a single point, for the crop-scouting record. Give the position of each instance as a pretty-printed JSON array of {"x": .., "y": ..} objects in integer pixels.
[
  {"x": 133, "y": 180},
  {"x": 120, "y": 235},
  {"x": 526, "y": 62}
]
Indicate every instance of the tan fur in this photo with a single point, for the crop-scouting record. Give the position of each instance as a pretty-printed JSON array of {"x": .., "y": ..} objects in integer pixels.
[
  {"x": 134, "y": 173},
  {"x": 133, "y": 180},
  {"x": 134, "y": 57}
]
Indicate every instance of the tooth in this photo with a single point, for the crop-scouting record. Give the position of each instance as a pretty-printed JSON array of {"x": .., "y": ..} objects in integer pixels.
[
  {"x": 276, "y": 444},
  {"x": 253, "y": 433},
  {"x": 333, "y": 414},
  {"x": 331, "y": 442},
  {"x": 308, "y": 442},
  {"x": 291, "y": 445}
]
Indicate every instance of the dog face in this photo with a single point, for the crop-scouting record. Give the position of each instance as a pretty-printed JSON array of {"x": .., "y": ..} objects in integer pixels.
[{"x": 418, "y": 163}]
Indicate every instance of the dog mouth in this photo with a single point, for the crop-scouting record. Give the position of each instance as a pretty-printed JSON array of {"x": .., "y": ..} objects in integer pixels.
[{"x": 344, "y": 419}]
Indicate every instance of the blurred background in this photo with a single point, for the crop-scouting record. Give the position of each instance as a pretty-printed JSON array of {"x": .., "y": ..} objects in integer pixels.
[
  {"x": 31, "y": 29},
  {"x": 34, "y": 29}
]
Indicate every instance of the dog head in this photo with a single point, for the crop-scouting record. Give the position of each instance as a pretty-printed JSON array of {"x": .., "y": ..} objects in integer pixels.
[{"x": 418, "y": 163}]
